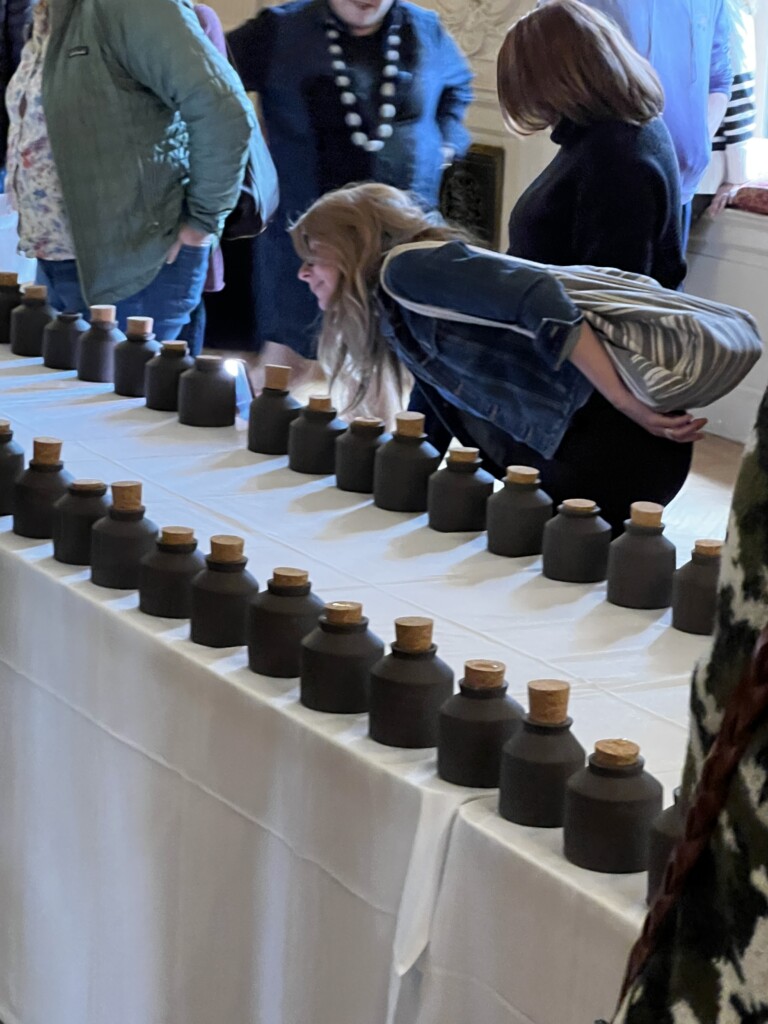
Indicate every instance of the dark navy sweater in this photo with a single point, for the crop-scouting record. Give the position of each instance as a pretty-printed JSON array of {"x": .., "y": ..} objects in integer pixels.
[{"x": 610, "y": 198}]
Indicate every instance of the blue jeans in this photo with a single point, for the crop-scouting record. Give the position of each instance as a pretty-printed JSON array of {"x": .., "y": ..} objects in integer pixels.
[
  {"x": 685, "y": 224},
  {"x": 170, "y": 299}
]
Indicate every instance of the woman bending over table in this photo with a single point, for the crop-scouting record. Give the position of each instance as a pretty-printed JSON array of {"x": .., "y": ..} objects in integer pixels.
[{"x": 501, "y": 356}]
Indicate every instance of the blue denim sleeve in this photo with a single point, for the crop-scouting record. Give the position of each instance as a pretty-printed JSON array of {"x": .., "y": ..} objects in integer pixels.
[{"x": 455, "y": 282}]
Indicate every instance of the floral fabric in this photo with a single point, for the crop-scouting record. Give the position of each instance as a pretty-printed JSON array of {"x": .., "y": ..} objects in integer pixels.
[{"x": 32, "y": 180}]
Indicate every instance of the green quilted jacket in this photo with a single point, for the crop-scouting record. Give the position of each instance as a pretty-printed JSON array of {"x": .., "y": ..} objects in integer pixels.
[{"x": 149, "y": 127}]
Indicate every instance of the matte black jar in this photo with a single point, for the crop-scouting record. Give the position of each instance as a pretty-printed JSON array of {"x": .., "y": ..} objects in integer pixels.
[
  {"x": 576, "y": 543},
  {"x": 207, "y": 394},
  {"x": 403, "y": 467},
  {"x": 356, "y": 453},
  {"x": 538, "y": 760},
  {"x": 641, "y": 563},
  {"x": 38, "y": 489},
  {"x": 278, "y": 620},
  {"x": 11, "y": 467},
  {"x": 457, "y": 495},
  {"x": 694, "y": 589},
  {"x": 474, "y": 725},
  {"x": 29, "y": 320},
  {"x": 220, "y": 595},
  {"x": 10, "y": 298},
  {"x": 666, "y": 832},
  {"x": 61, "y": 340},
  {"x": 132, "y": 356},
  {"x": 76, "y": 512},
  {"x": 312, "y": 437},
  {"x": 96, "y": 351},
  {"x": 120, "y": 540},
  {"x": 272, "y": 413},
  {"x": 609, "y": 808},
  {"x": 517, "y": 514},
  {"x": 163, "y": 373},
  {"x": 336, "y": 660},
  {"x": 166, "y": 574},
  {"x": 408, "y": 688}
]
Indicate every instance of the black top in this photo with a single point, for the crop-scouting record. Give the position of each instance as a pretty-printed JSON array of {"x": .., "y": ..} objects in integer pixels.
[{"x": 610, "y": 198}]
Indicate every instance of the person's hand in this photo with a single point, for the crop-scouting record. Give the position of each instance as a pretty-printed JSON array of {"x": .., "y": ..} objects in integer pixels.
[
  {"x": 187, "y": 236},
  {"x": 722, "y": 198},
  {"x": 681, "y": 427}
]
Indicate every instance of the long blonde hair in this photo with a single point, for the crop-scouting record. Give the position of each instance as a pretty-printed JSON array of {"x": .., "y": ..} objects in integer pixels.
[
  {"x": 563, "y": 59},
  {"x": 353, "y": 229}
]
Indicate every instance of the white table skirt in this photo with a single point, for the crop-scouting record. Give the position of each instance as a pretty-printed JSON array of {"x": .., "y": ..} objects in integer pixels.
[{"x": 181, "y": 840}]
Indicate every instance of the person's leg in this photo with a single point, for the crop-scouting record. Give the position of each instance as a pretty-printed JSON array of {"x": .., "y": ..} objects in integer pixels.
[
  {"x": 63, "y": 284},
  {"x": 194, "y": 332},
  {"x": 173, "y": 295}
]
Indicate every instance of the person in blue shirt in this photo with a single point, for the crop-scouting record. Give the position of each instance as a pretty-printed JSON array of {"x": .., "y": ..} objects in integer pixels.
[
  {"x": 350, "y": 90},
  {"x": 687, "y": 43},
  {"x": 502, "y": 358}
]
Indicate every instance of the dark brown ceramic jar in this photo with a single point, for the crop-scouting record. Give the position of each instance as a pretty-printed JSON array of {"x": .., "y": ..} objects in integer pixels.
[
  {"x": 641, "y": 563},
  {"x": 120, "y": 540},
  {"x": 312, "y": 437},
  {"x": 38, "y": 489},
  {"x": 474, "y": 725},
  {"x": 278, "y": 620},
  {"x": 96, "y": 351},
  {"x": 457, "y": 495},
  {"x": 29, "y": 320},
  {"x": 539, "y": 759},
  {"x": 220, "y": 595},
  {"x": 356, "y": 453},
  {"x": 576, "y": 543},
  {"x": 408, "y": 688},
  {"x": 403, "y": 467},
  {"x": 162, "y": 375},
  {"x": 75, "y": 514},
  {"x": 272, "y": 413},
  {"x": 10, "y": 298},
  {"x": 517, "y": 514},
  {"x": 61, "y": 339},
  {"x": 11, "y": 467},
  {"x": 132, "y": 356},
  {"x": 609, "y": 808},
  {"x": 336, "y": 660},
  {"x": 166, "y": 574},
  {"x": 694, "y": 589}
]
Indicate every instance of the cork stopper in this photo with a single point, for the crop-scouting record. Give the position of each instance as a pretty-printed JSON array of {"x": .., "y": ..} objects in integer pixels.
[
  {"x": 343, "y": 612},
  {"x": 410, "y": 424},
  {"x": 286, "y": 577},
  {"x": 581, "y": 506},
  {"x": 5, "y": 426},
  {"x": 103, "y": 314},
  {"x": 126, "y": 495},
  {"x": 173, "y": 535},
  {"x": 276, "y": 377},
  {"x": 35, "y": 291},
  {"x": 225, "y": 548},
  {"x": 548, "y": 701},
  {"x": 414, "y": 633},
  {"x": 522, "y": 475},
  {"x": 8, "y": 280},
  {"x": 176, "y": 346},
  {"x": 646, "y": 513},
  {"x": 367, "y": 423},
  {"x": 320, "y": 403},
  {"x": 460, "y": 454},
  {"x": 87, "y": 486},
  {"x": 484, "y": 675},
  {"x": 616, "y": 753},
  {"x": 208, "y": 362},
  {"x": 708, "y": 548},
  {"x": 139, "y": 325},
  {"x": 46, "y": 450}
]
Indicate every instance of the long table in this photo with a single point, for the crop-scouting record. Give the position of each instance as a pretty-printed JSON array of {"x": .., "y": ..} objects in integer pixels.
[{"x": 182, "y": 841}]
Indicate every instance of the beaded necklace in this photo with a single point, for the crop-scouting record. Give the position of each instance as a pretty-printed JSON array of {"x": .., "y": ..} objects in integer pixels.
[{"x": 347, "y": 95}]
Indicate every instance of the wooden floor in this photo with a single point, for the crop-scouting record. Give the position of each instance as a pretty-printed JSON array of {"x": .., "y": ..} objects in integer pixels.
[{"x": 701, "y": 509}]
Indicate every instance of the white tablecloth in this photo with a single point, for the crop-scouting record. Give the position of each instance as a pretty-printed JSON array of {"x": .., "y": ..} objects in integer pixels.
[{"x": 181, "y": 841}]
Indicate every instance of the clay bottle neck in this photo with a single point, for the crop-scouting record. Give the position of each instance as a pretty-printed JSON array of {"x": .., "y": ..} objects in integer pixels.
[
  {"x": 343, "y": 627},
  {"x": 45, "y": 467},
  {"x": 427, "y": 655},
  {"x": 482, "y": 693},
  {"x": 546, "y": 728},
  {"x": 215, "y": 369},
  {"x": 34, "y": 303},
  {"x": 643, "y": 531},
  {"x": 124, "y": 515},
  {"x": 299, "y": 591},
  {"x": 467, "y": 468},
  {"x": 572, "y": 515},
  {"x": 5, "y": 438},
  {"x": 319, "y": 415},
  {"x": 366, "y": 433},
  {"x": 177, "y": 549},
  {"x": 414, "y": 442},
  {"x": 140, "y": 338},
  {"x": 215, "y": 566},
  {"x": 96, "y": 492},
  {"x": 514, "y": 486},
  {"x": 708, "y": 560},
  {"x": 619, "y": 772},
  {"x": 172, "y": 354},
  {"x": 105, "y": 326},
  {"x": 275, "y": 392},
  {"x": 68, "y": 318}
]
